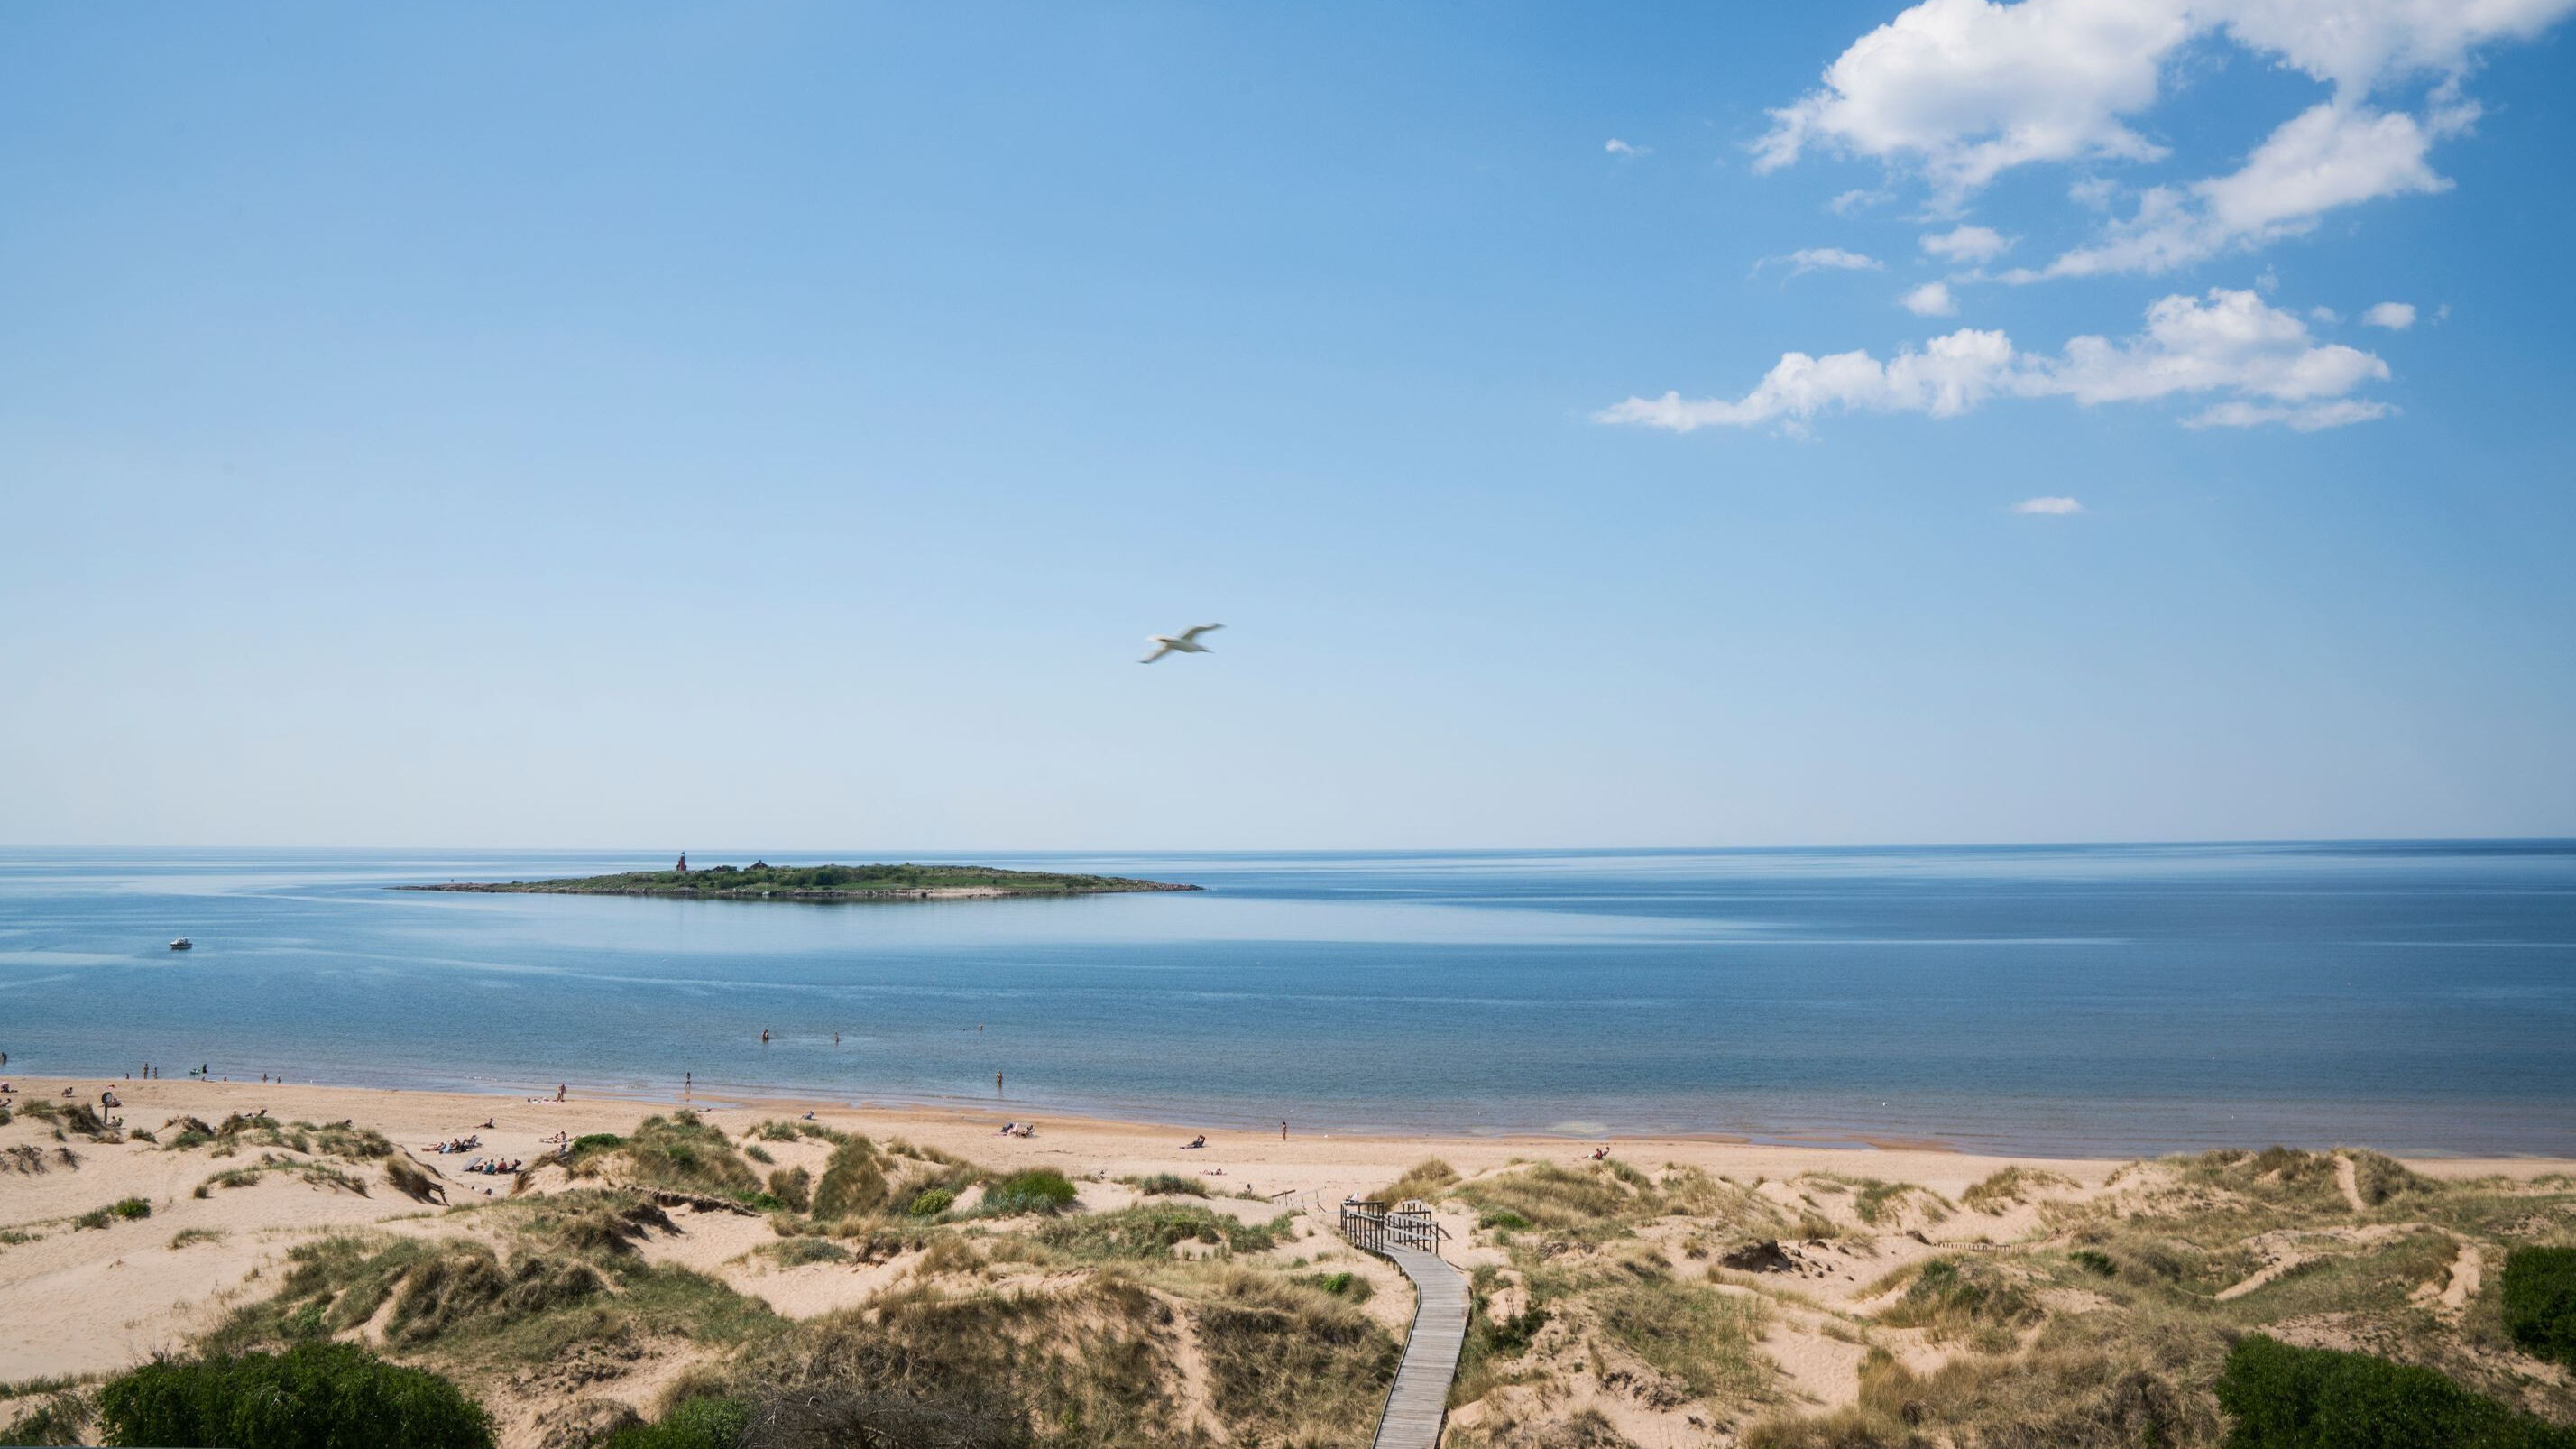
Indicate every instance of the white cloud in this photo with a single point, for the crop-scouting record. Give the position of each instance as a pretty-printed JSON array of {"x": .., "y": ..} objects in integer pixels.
[
  {"x": 1932, "y": 299},
  {"x": 2358, "y": 44},
  {"x": 1951, "y": 375},
  {"x": 2395, "y": 316},
  {"x": 1967, "y": 89},
  {"x": 2226, "y": 342},
  {"x": 2327, "y": 315},
  {"x": 1617, "y": 147},
  {"x": 2093, "y": 193},
  {"x": 1831, "y": 259},
  {"x": 2230, "y": 340},
  {"x": 2305, "y": 417},
  {"x": 2048, "y": 507},
  {"x": 2328, "y": 156},
  {"x": 1960, "y": 91},
  {"x": 1967, "y": 245},
  {"x": 1855, "y": 200}
]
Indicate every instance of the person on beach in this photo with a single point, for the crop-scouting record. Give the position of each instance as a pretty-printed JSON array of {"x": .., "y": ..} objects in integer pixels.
[
  {"x": 1283, "y": 1129},
  {"x": 559, "y": 1091},
  {"x": 687, "y": 1080},
  {"x": 997, "y": 1081}
]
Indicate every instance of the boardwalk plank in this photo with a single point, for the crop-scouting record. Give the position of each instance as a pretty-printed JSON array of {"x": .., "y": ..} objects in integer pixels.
[{"x": 1419, "y": 1402}]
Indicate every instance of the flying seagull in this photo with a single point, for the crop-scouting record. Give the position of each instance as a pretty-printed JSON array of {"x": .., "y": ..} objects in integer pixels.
[{"x": 1185, "y": 642}]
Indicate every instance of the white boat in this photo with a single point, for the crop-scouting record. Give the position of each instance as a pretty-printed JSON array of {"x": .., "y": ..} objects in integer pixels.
[{"x": 183, "y": 944}]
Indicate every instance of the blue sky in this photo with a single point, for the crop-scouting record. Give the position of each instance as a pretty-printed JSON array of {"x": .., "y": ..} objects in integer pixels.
[{"x": 778, "y": 426}]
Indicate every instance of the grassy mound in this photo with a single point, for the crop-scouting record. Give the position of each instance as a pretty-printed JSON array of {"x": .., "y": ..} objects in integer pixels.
[
  {"x": 2538, "y": 1299},
  {"x": 313, "y": 1396},
  {"x": 2313, "y": 1398},
  {"x": 1152, "y": 1230}
]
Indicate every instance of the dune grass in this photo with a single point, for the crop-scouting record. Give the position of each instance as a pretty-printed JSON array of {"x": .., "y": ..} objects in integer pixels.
[{"x": 1168, "y": 1184}]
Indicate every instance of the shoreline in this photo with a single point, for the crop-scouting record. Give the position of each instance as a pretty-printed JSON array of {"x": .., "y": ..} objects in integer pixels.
[{"x": 1927, "y": 1161}]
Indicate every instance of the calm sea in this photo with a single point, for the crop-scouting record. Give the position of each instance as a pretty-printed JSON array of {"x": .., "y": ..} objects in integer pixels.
[{"x": 2419, "y": 997}]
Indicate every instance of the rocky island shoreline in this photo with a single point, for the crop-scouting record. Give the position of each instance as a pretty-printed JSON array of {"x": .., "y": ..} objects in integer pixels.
[{"x": 761, "y": 881}]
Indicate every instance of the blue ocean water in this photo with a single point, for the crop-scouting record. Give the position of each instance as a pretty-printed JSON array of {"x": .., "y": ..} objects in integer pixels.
[{"x": 2420, "y": 997}]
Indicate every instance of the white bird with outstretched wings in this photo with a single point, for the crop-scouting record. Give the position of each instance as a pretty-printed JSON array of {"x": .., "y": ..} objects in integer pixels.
[{"x": 1185, "y": 642}]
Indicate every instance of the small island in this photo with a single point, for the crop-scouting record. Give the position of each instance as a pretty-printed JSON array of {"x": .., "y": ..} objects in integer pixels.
[{"x": 761, "y": 881}]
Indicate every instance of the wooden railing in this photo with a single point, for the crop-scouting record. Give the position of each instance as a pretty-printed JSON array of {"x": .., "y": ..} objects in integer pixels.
[{"x": 1374, "y": 1227}]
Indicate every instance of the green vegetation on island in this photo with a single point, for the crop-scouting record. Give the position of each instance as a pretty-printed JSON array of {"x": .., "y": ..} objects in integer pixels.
[{"x": 761, "y": 881}]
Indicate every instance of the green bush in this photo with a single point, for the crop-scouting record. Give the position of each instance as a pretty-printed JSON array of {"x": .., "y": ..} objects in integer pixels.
[
  {"x": 130, "y": 1208},
  {"x": 697, "y": 1424},
  {"x": 930, "y": 1202},
  {"x": 2539, "y": 1293},
  {"x": 313, "y": 1396},
  {"x": 1038, "y": 1190},
  {"x": 2313, "y": 1398},
  {"x": 590, "y": 1142}
]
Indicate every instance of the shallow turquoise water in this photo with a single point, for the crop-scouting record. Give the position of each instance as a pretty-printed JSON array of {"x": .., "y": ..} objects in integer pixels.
[{"x": 2414, "y": 996}]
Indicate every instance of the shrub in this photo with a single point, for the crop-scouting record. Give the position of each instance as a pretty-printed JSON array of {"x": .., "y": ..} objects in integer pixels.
[
  {"x": 2011, "y": 1185},
  {"x": 930, "y": 1202},
  {"x": 1168, "y": 1184},
  {"x": 1951, "y": 1297},
  {"x": 127, "y": 1208},
  {"x": 854, "y": 1181},
  {"x": 590, "y": 1142},
  {"x": 1152, "y": 1230},
  {"x": 682, "y": 1152},
  {"x": 793, "y": 1187},
  {"x": 407, "y": 1179},
  {"x": 2093, "y": 1260},
  {"x": 697, "y": 1424},
  {"x": 61, "y": 1419},
  {"x": 1430, "y": 1179},
  {"x": 2377, "y": 1177},
  {"x": 313, "y": 1396},
  {"x": 2315, "y": 1398},
  {"x": 1038, "y": 1190},
  {"x": 2539, "y": 1300},
  {"x": 1344, "y": 1284},
  {"x": 798, "y": 1251},
  {"x": 1542, "y": 1195}
]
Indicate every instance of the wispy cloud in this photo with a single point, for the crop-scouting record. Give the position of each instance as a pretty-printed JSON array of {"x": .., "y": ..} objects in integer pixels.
[
  {"x": 1967, "y": 245},
  {"x": 1828, "y": 259},
  {"x": 2048, "y": 507},
  {"x": 1932, "y": 299},
  {"x": 1617, "y": 147},
  {"x": 2228, "y": 342},
  {"x": 2395, "y": 316},
  {"x": 2327, "y": 157}
]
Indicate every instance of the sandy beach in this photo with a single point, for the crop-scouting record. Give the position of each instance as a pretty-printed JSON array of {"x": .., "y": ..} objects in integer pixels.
[{"x": 85, "y": 1303}]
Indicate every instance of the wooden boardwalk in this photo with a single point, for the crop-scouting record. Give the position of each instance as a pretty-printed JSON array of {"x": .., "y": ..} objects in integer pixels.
[{"x": 1419, "y": 1402}]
